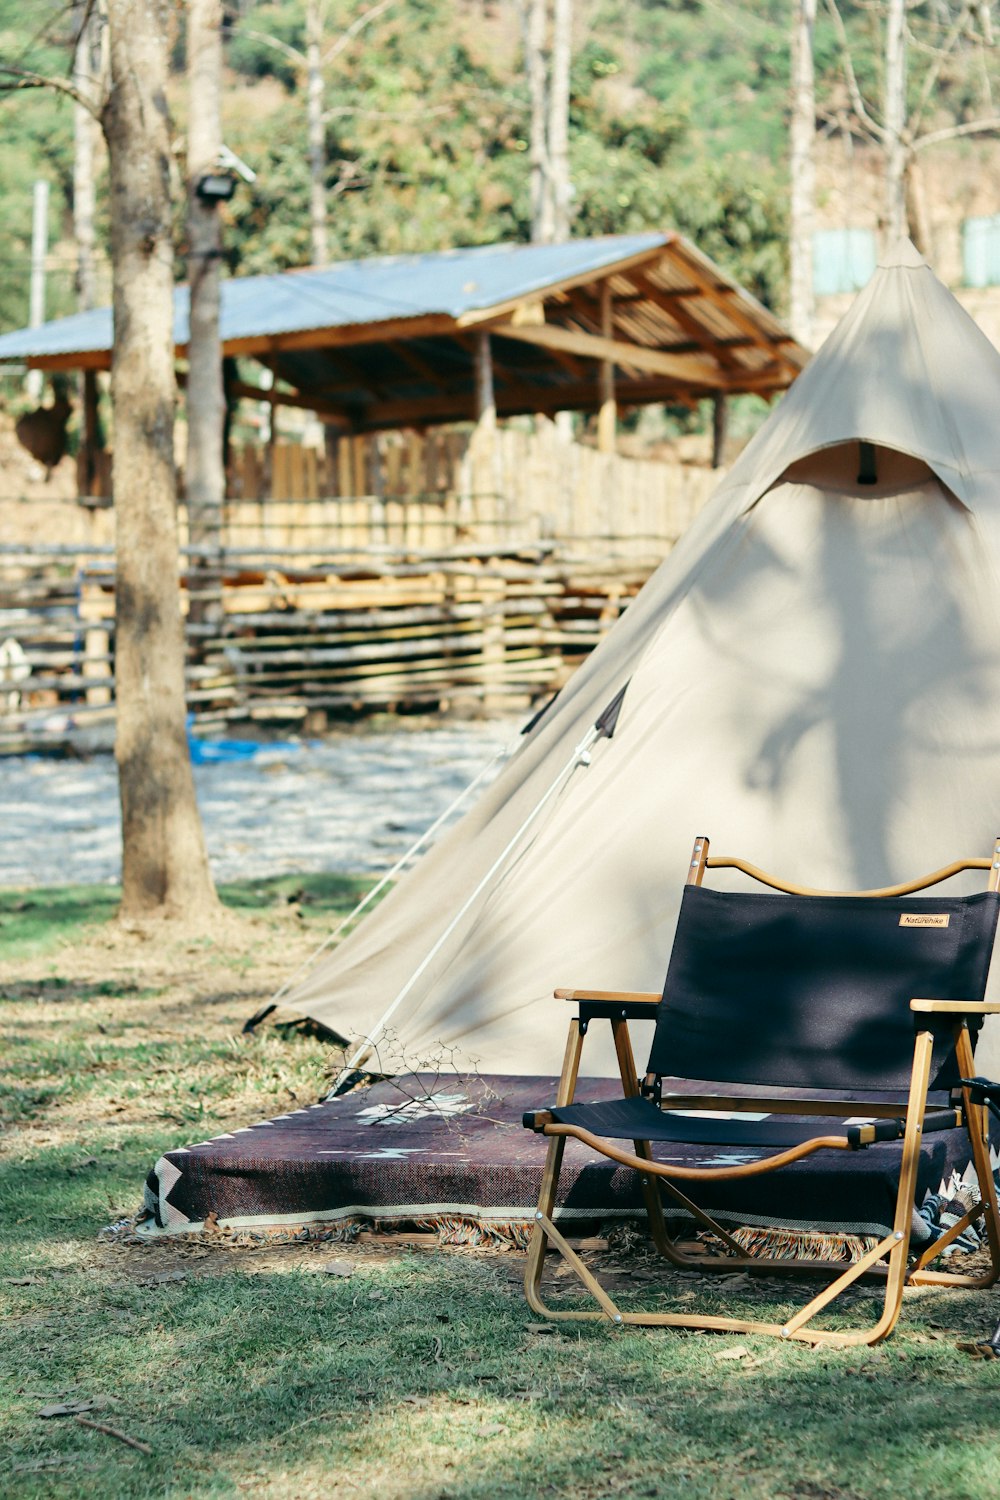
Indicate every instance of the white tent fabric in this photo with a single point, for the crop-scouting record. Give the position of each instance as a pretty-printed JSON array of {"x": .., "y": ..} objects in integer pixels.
[{"x": 813, "y": 680}]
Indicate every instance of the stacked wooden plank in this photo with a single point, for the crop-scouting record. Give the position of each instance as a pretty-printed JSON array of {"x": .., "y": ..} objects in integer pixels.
[
  {"x": 465, "y": 573},
  {"x": 353, "y": 633}
]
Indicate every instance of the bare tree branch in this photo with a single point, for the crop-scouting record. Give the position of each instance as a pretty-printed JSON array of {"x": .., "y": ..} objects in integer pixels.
[
  {"x": 357, "y": 25},
  {"x": 953, "y": 132},
  {"x": 857, "y": 102},
  {"x": 934, "y": 71},
  {"x": 279, "y": 46},
  {"x": 299, "y": 58},
  {"x": 339, "y": 110},
  {"x": 26, "y": 78}
]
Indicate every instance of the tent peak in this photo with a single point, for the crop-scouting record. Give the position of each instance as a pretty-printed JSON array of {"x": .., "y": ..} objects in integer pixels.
[{"x": 903, "y": 254}]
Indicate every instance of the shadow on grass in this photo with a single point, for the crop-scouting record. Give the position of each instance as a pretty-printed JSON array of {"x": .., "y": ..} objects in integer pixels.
[
  {"x": 32, "y": 921},
  {"x": 54, "y": 989},
  {"x": 425, "y": 1378}
]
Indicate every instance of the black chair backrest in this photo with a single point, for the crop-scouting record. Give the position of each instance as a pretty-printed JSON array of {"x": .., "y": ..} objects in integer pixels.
[{"x": 814, "y": 991}]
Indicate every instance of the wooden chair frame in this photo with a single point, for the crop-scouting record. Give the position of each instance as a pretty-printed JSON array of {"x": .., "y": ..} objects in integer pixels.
[{"x": 888, "y": 1260}]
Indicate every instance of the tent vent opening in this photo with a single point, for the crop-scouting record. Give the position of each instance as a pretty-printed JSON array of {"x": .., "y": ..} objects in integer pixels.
[{"x": 867, "y": 472}]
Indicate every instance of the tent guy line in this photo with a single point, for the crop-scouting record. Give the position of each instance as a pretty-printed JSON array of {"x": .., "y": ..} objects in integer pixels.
[
  {"x": 503, "y": 754},
  {"x": 580, "y": 757}
]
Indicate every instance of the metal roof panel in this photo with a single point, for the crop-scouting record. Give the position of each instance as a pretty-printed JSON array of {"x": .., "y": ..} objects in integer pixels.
[{"x": 449, "y": 282}]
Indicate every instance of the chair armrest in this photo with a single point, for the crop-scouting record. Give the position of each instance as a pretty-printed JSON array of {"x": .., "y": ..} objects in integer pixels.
[
  {"x": 631, "y": 997},
  {"x": 958, "y": 1007},
  {"x": 612, "y": 1005}
]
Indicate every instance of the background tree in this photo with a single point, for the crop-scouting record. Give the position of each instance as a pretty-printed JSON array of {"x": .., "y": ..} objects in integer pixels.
[
  {"x": 164, "y": 864},
  {"x": 206, "y": 407},
  {"x": 309, "y": 63},
  {"x": 165, "y": 871},
  {"x": 802, "y": 173},
  {"x": 936, "y": 86},
  {"x": 548, "y": 50}
]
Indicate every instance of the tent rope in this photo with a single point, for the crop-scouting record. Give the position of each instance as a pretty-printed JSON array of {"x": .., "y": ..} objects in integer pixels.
[
  {"x": 580, "y": 757},
  {"x": 503, "y": 754}
]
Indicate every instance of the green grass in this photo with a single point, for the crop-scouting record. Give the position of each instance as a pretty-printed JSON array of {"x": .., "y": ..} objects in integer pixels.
[
  {"x": 251, "y": 1371},
  {"x": 37, "y": 921}
]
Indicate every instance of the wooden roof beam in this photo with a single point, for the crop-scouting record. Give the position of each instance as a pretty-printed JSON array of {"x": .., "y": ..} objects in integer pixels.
[
  {"x": 417, "y": 363},
  {"x": 689, "y": 321},
  {"x": 332, "y": 414},
  {"x": 730, "y": 299},
  {"x": 423, "y": 326},
  {"x": 93, "y": 359},
  {"x": 681, "y": 367}
]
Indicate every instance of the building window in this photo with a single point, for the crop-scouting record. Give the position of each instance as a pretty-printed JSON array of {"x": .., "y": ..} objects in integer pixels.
[
  {"x": 843, "y": 260},
  {"x": 981, "y": 251}
]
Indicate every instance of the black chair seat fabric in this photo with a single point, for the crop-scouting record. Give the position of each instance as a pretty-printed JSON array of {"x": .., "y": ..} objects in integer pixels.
[
  {"x": 814, "y": 991},
  {"x": 641, "y": 1120}
]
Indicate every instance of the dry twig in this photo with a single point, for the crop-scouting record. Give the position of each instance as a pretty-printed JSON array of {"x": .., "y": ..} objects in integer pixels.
[{"x": 122, "y": 1437}]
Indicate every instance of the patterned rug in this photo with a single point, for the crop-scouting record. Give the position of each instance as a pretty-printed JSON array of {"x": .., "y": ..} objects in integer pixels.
[{"x": 434, "y": 1149}]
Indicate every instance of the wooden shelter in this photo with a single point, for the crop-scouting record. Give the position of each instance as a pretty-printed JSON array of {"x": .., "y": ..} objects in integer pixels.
[{"x": 592, "y": 325}]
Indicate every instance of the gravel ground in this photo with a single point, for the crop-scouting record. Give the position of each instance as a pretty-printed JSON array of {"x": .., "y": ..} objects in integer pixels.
[{"x": 351, "y": 803}]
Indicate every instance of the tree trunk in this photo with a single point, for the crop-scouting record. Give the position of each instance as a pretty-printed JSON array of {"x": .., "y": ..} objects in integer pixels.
[
  {"x": 534, "y": 25},
  {"x": 802, "y": 301},
  {"x": 87, "y": 81},
  {"x": 317, "y": 135},
  {"x": 206, "y": 405},
  {"x": 895, "y": 121},
  {"x": 562, "y": 53},
  {"x": 164, "y": 865}
]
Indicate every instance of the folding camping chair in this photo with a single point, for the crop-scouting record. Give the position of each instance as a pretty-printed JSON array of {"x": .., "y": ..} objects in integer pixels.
[{"x": 821, "y": 1008}]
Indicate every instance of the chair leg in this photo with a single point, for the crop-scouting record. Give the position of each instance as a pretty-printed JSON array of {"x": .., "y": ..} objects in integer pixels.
[
  {"x": 550, "y": 1175},
  {"x": 977, "y": 1128},
  {"x": 977, "y": 1118},
  {"x": 630, "y": 1087},
  {"x": 909, "y": 1167},
  {"x": 895, "y": 1246}
]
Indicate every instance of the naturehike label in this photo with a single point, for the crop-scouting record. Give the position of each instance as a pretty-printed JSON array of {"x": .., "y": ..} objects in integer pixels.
[{"x": 924, "y": 919}]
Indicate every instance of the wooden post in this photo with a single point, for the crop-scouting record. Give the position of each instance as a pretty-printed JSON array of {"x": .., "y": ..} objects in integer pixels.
[
  {"x": 493, "y": 594},
  {"x": 608, "y": 414},
  {"x": 720, "y": 414},
  {"x": 486, "y": 406},
  {"x": 87, "y": 477},
  {"x": 97, "y": 644},
  {"x": 484, "y": 478}
]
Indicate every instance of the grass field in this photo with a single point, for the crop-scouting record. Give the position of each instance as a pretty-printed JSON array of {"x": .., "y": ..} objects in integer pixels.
[{"x": 375, "y": 1368}]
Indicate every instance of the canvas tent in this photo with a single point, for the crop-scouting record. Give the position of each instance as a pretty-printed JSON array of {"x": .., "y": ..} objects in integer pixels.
[{"x": 812, "y": 678}]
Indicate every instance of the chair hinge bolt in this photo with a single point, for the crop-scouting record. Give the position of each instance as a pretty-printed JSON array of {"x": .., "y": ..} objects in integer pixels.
[
  {"x": 617, "y": 1317},
  {"x": 538, "y": 1215},
  {"x": 898, "y": 1235},
  {"x": 786, "y": 1333}
]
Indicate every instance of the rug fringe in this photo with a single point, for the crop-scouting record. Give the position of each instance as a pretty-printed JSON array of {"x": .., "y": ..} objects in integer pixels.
[
  {"x": 479, "y": 1234},
  {"x": 803, "y": 1244}
]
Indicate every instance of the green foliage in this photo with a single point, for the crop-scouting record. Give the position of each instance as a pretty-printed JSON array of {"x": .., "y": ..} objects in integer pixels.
[
  {"x": 255, "y": 43},
  {"x": 679, "y": 115},
  {"x": 36, "y": 131},
  {"x": 425, "y": 148}
]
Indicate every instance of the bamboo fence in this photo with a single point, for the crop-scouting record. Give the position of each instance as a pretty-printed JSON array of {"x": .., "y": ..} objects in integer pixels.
[{"x": 485, "y": 586}]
